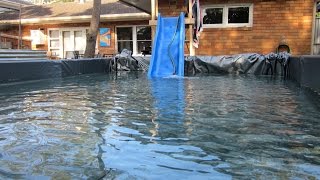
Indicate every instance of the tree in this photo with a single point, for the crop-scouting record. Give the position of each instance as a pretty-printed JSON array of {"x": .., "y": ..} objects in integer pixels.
[{"x": 93, "y": 31}]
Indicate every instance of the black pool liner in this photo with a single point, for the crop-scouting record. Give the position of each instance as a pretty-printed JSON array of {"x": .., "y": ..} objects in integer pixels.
[
  {"x": 22, "y": 70},
  {"x": 303, "y": 69}
]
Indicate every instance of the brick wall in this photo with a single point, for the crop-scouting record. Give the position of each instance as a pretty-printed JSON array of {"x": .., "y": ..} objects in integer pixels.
[
  {"x": 102, "y": 50},
  {"x": 273, "y": 20},
  {"x": 14, "y": 42}
]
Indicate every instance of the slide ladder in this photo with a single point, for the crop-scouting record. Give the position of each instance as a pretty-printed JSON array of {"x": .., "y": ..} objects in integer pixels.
[{"x": 168, "y": 48}]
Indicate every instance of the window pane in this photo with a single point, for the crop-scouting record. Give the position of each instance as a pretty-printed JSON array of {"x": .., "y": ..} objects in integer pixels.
[
  {"x": 54, "y": 34},
  {"x": 55, "y": 52},
  {"x": 144, "y": 33},
  {"x": 125, "y": 45},
  {"x": 238, "y": 15},
  {"x": 54, "y": 43},
  {"x": 79, "y": 41},
  {"x": 213, "y": 16},
  {"x": 124, "y": 33},
  {"x": 67, "y": 41},
  {"x": 143, "y": 45}
]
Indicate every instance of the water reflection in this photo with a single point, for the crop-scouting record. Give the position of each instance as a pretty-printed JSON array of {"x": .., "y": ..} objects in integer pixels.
[
  {"x": 133, "y": 128},
  {"x": 155, "y": 148},
  {"x": 45, "y": 131},
  {"x": 169, "y": 103}
]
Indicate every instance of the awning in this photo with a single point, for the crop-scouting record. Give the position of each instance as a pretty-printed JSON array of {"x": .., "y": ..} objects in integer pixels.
[{"x": 144, "y": 5}]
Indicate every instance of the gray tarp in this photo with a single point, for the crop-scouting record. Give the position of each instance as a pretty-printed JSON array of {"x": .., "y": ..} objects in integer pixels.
[
  {"x": 270, "y": 64},
  {"x": 240, "y": 64}
]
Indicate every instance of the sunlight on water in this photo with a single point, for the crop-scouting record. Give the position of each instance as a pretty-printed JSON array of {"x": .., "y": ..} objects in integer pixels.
[{"x": 132, "y": 127}]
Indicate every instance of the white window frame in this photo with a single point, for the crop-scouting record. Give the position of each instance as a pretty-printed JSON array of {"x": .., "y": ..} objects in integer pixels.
[
  {"x": 72, "y": 29},
  {"x": 225, "y": 12},
  {"x": 50, "y": 48},
  {"x": 134, "y": 38}
]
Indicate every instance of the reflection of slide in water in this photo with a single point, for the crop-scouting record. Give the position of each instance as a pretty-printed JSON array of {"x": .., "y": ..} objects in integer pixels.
[
  {"x": 168, "y": 94},
  {"x": 168, "y": 48}
]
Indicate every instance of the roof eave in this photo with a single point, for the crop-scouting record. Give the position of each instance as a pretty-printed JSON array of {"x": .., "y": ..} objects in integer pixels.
[
  {"x": 10, "y": 5},
  {"x": 82, "y": 19}
]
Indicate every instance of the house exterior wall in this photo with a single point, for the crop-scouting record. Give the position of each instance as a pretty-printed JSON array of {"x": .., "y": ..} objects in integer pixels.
[
  {"x": 273, "y": 21},
  {"x": 102, "y": 50},
  {"x": 13, "y": 41}
]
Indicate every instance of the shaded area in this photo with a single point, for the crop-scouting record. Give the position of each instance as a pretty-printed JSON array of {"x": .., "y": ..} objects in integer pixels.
[
  {"x": 305, "y": 70},
  {"x": 145, "y": 5}
]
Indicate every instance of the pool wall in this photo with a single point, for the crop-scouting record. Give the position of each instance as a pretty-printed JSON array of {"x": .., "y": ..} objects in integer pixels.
[
  {"x": 303, "y": 69},
  {"x": 23, "y": 70},
  {"x": 306, "y": 71}
]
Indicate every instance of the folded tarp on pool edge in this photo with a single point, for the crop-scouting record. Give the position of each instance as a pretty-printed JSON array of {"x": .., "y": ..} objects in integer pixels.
[{"x": 241, "y": 63}]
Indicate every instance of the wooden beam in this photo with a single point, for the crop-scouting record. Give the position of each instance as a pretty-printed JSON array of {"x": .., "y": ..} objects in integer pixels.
[
  {"x": 79, "y": 19},
  {"x": 14, "y": 37},
  {"x": 153, "y": 9},
  {"x": 157, "y": 8},
  {"x": 20, "y": 31},
  {"x": 191, "y": 47},
  {"x": 186, "y": 21}
]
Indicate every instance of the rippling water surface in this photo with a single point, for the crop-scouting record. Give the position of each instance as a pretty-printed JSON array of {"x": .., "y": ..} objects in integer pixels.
[{"x": 129, "y": 127}]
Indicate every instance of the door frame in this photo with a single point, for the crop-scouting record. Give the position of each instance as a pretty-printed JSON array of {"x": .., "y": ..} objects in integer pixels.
[{"x": 61, "y": 39}]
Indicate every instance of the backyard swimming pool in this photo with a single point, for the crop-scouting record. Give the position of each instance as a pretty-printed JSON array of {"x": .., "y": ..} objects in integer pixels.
[{"x": 129, "y": 127}]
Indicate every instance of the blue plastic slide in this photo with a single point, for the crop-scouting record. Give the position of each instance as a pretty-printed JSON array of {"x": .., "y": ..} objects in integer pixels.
[{"x": 168, "y": 47}]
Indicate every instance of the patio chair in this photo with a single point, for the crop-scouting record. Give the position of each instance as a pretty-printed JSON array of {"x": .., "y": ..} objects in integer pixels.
[{"x": 77, "y": 55}]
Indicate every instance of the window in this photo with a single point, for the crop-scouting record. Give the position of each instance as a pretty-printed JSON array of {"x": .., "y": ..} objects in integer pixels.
[
  {"x": 54, "y": 42},
  {"x": 219, "y": 16},
  {"x": 125, "y": 40},
  {"x": 143, "y": 38},
  {"x": 135, "y": 39}
]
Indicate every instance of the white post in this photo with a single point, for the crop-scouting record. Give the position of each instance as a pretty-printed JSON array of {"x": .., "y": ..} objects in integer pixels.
[
  {"x": 153, "y": 17},
  {"x": 153, "y": 9},
  {"x": 313, "y": 27},
  {"x": 191, "y": 48},
  {"x": 20, "y": 34}
]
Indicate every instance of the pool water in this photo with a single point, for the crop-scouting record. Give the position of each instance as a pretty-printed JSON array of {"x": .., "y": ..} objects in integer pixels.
[{"x": 129, "y": 127}]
